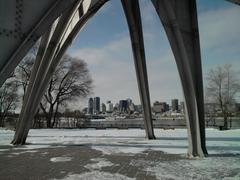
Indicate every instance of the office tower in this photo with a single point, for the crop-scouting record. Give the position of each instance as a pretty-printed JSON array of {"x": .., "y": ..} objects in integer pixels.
[
  {"x": 96, "y": 105},
  {"x": 109, "y": 107},
  {"x": 103, "y": 109},
  {"x": 90, "y": 106},
  {"x": 182, "y": 107},
  {"x": 156, "y": 107},
  {"x": 174, "y": 104},
  {"x": 159, "y": 107},
  {"x": 138, "y": 108},
  {"x": 123, "y": 105}
]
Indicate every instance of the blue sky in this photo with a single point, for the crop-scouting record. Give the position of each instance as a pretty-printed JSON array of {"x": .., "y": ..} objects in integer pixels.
[{"x": 105, "y": 45}]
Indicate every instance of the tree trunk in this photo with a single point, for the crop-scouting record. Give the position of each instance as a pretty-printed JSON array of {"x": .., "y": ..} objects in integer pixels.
[
  {"x": 49, "y": 116},
  {"x": 36, "y": 117},
  {"x": 225, "y": 124},
  {"x": 2, "y": 118},
  {"x": 1, "y": 121},
  {"x": 55, "y": 115}
]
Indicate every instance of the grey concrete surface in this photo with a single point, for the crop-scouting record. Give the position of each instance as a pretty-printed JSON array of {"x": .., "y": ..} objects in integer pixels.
[{"x": 36, "y": 164}]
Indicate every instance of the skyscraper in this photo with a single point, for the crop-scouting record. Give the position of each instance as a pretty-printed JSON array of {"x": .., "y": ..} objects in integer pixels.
[
  {"x": 90, "y": 106},
  {"x": 123, "y": 105},
  {"x": 104, "y": 108},
  {"x": 109, "y": 107},
  {"x": 160, "y": 107},
  {"x": 174, "y": 104},
  {"x": 96, "y": 105},
  {"x": 182, "y": 107}
]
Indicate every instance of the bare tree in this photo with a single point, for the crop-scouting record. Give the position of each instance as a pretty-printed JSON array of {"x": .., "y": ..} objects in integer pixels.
[
  {"x": 22, "y": 73},
  {"x": 23, "y": 70},
  {"x": 222, "y": 88},
  {"x": 8, "y": 99},
  {"x": 70, "y": 82}
]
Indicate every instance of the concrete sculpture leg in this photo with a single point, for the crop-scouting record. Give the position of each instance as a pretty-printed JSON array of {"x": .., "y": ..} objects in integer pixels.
[
  {"x": 132, "y": 12},
  {"x": 180, "y": 23},
  {"x": 54, "y": 53}
]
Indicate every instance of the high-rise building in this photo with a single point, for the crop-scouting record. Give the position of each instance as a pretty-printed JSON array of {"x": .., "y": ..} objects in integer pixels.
[
  {"x": 103, "y": 109},
  {"x": 90, "y": 106},
  {"x": 138, "y": 108},
  {"x": 160, "y": 107},
  {"x": 96, "y": 105},
  {"x": 175, "y": 105},
  {"x": 130, "y": 105},
  {"x": 116, "y": 107},
  {"x": 129, "y": 101},
  {"x": 123, "y": 105},
  {"x": 109, "y": 107},
  {"x": 131, "y": 108},
  {"x": 182, "y": 107},
  {"x": 167, "y": 107}
]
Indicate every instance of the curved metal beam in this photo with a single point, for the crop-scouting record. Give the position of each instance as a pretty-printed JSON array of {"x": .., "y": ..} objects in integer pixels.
[
  {"x": 234, "y": 1},
  {"x": 36, "y": 31},
  {"x": 56, "y": 49},
  {"x": 179, "y": 19},
  {"x": 24, "y": 122},
  {"x": 132, "y": 13}
]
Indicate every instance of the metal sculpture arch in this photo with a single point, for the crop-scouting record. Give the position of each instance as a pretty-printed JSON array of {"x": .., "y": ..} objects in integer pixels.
[{"x": 57, "y": 23}]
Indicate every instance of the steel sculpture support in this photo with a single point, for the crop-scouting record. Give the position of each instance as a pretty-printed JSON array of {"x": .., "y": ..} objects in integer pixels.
[
  {"x": 132, "y": 13},
  {"x": 55, "y": 50},
  {"x": 32, "y": 91},
  {"x": 20, "y": 49},
  {"x": 235, "y": 1},
  {"x": 179, "y": 19},
  {"x": 22, "y": 123}
]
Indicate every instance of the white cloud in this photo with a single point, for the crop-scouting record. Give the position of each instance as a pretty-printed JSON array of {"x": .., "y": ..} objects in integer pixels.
[
  {"x": 220, "y": 28},
  {"x": 112, "y": 65},
  {"x": 220, "y": 39},
  {"x": 112, "y": 68}
]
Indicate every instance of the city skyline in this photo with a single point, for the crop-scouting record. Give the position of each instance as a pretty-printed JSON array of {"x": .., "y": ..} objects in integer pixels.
[
  {"x": 105, "y": 46},
  {"x": 91, "y": 102}
]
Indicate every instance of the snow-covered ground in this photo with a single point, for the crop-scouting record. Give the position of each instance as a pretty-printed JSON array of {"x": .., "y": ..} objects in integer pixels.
[
  {"x": 222, "y": 163},
  {"x": 127, "y": 141}
]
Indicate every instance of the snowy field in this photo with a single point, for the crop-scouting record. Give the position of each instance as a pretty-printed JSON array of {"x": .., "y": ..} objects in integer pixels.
[{"x": 223, "y": 148}]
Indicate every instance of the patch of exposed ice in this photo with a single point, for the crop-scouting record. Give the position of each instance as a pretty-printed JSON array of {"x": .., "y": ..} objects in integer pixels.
[
  {"x": 96, "y": 175},
  {"x": 45, "y": 153},
  {"x": 31, "y": 147},
  {"x": 60, "y": 159},
  {"x": 10, "y": 156},
  {"x": 101, "y": 162},
  {"x": 115, "y": 149},
  {"x": 23, "y": 152}
]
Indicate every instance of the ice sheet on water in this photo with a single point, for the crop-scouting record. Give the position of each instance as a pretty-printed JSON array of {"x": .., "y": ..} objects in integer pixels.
[{"x": 126, "y": 141}]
